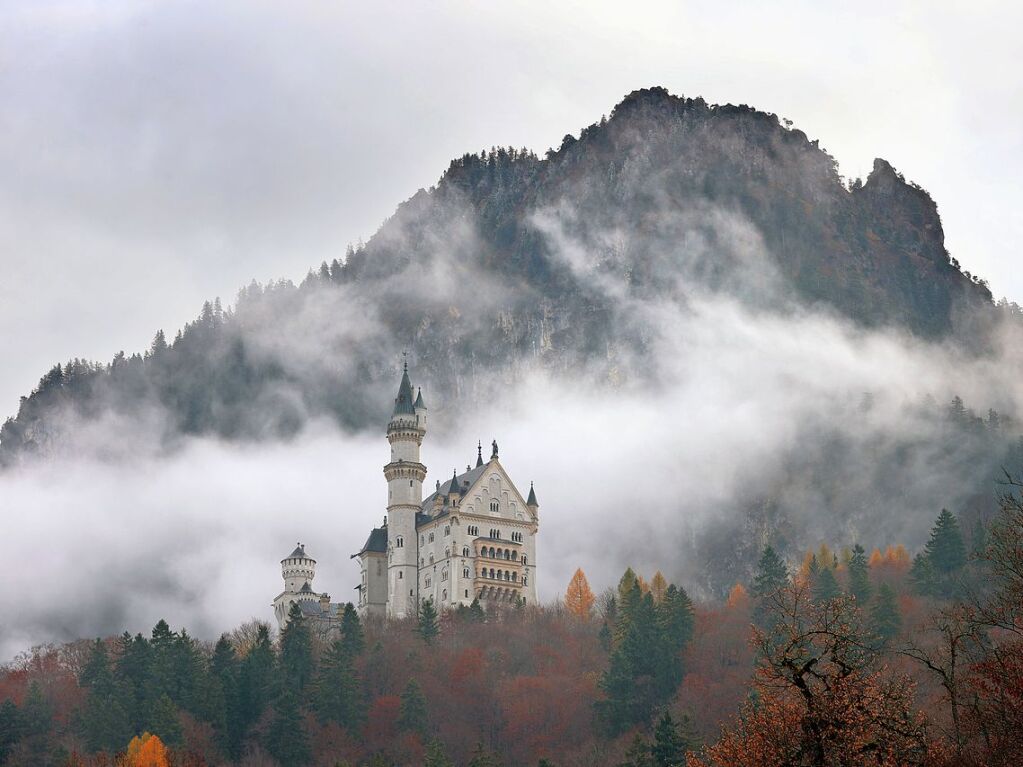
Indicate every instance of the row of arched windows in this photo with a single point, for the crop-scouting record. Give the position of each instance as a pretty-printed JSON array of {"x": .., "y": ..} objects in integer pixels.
[{"x": 501, "y": 575}]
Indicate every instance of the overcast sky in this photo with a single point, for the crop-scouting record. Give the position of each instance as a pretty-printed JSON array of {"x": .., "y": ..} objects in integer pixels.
[{"x": 155, "y": 154}]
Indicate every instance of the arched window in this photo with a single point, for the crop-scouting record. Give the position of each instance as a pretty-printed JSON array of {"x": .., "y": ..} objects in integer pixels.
[
  {"x": 447, "y": 551},
  {"x": 465, "y": 572},
  {"x": 515, "y": 577},
  {"x": 431, "y": 537},
  {"x": 431, "y": 559},
  {"x": 465, "y": 551},
  {"x": 422, "y": 540},
  {"x": 525, "y": 580},
  {"x": 515, "y": 556},
  {"x": 499, "y": 575},
  {"x": 445, "y": 597},
  {"x": 447, "y": 529},
  {"x": 494, "y": 507},
  {"x": 499, "y": 553},
  {"x": 400, "y": 575},
  {"x": 523, "y": 559},
  {"x": 507, "y": 553},
  {"x": 492, "y": 553},
  {"x": 399, "y": 542}
]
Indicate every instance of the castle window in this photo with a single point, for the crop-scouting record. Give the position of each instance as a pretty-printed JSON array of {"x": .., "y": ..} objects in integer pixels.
[
  {"x": 473, "y": 530},
  {"x": 431, "y": 537},
  {"x": 445, "y": 597},
  {"x": 447, "y": 551},
  {"x": 400, "y": 575},
  {"x": 465, "y": 572},
  {"x": 421, "y": 540},
  {"x": 515, "y": 556},
  {"x": 467, "y": 593},
  {"x": 447, "y": 529},
  {"x": 494, "y": 506},
  {"x": 515, "y": 576},
  {"x": 444, "y": 574},
  {"x": 525, "y": 580},
  {"x": 399, "y": 542},
  {"x": 523, "y": 559},
  {"x": 507, "y": 553},
  {"x": 465, "y": 551},
  {"x": 431, "y": 559}
]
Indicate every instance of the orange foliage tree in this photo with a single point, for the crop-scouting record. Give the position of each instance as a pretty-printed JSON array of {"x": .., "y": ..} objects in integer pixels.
[
  {"x": 821, "y": 698},
  {"x": 146, "y": 751},
  {"x": 579, "y": 597}
]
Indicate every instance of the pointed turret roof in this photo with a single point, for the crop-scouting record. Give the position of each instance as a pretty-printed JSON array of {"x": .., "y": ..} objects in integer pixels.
[
  {"x": 479, "y": 455},
  {"x": 403, "y": 404},
  {"x": 454, "y": 486},
  {"x": 306, "y": 589},
  {"x": 531, "y": 500},
  {"x": 298, "y": 553},
  {"x": 420, "y": 405}
]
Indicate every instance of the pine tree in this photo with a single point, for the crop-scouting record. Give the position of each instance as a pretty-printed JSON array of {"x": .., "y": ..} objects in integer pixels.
[
  {"x": 10, "y": 728},
  {"x": 476, "y": 614},
  {"x": 669, "y": 746},
  {"x": 946, "y": 550},
  {"x": 104, "y": 722},
  {"x": 256, "y": 679},
  {"x": 638, "y": 754},
  {"x": 337, "y": 695},
  {"x": 482, "y": 758},
  {"x": 885, "y": 620},
  {"x": 165, "y": 722},
  {"x": 658, "y": 586},
  {"x": 579, "y": 597},
  {"x": 771, "y": 575},
  {"x": 133, "y": 675},
  {"x": 296, "y": 651},
  {"x": 287, "y": 740},
  {"x": 36, "y": 717},
  {"x": 429, "y": 626},
  {"x": 923, "y": 576},
  {"x": 825, "y": 586},
  {"x": 352, "y": 637},
  {"x": 435, "y": 756},
  {"x": 224, "y": 698},
  {"x": 413, "y": 713},
  {"x": 859, "y": 577}
]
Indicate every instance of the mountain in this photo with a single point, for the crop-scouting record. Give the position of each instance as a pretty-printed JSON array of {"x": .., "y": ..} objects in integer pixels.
[{"x": 513, "y": 260}]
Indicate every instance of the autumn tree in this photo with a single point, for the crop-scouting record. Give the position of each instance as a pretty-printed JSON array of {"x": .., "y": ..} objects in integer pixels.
[
  {"x": 146, "y": 750},
  {"x": 578, "y": 597},
  {"x": 658, "y": 586},
  {"x": 821, "y": 699}
]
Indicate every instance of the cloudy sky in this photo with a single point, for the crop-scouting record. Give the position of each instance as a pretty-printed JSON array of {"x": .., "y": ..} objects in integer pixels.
[{"x": 156, "y": 154}]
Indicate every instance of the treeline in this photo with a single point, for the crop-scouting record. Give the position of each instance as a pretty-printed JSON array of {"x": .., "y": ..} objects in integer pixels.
[{"x": 838, "y": 657}]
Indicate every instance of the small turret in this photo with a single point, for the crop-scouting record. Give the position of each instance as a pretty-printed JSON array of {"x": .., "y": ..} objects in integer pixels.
[
  {"x": 454, "y": 489},
  {"x": 479, "y": 455},
  {"x": 297, "y": 569},
  {"x": 531, "y": 500}
]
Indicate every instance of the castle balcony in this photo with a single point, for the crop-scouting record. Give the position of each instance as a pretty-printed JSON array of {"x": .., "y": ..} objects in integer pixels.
[
  {"x": 506, "y": 552},
  {"x": 499, "y": 574}
]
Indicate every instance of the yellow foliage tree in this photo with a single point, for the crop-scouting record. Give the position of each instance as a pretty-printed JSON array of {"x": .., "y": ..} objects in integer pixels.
[
  {"x": 643, "y": 585},
  {"x": 579, "y": 597},
  {"x": 146, "y": 750},
  {"x": 658, "y": 586},
  {"x": 898, "y": 557}
]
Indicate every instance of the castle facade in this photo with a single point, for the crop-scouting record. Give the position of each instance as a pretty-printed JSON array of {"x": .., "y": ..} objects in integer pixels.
[{"x": 473, "y": 537}]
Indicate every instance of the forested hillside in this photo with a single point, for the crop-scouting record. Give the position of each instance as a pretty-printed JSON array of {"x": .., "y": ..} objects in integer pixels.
[
  {"x": 506, "y": 265},
  {"x": 837, "y": 657}
]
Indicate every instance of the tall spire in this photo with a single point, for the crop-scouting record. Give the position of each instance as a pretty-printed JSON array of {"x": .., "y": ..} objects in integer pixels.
[
  {"x": 403, "y": 404},
  {"x": 420, "y": 405},
  {"x": 454, "y": 487},
  {"x": 479, "y": 455},
  {"x": 531, "y": 501}
]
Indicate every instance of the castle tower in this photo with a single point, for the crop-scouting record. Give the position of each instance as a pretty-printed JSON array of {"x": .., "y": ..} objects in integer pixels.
[
  {"x": 405, "y": 474},
  {"x": 298, "y": 570}
]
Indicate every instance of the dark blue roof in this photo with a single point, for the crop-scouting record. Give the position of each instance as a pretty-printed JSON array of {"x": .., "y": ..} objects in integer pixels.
[
  {"x": 531, "y": 500},
  {"x": 403, "y": 403},
  {"x": 377, "y": 542}
]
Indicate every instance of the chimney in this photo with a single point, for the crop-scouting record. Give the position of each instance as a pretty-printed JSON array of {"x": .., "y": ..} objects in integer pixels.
[{"x": 325, "y": 601}]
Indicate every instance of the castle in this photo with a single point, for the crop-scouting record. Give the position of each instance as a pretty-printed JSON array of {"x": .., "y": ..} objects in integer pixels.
[{"x": 474, "y": 537}]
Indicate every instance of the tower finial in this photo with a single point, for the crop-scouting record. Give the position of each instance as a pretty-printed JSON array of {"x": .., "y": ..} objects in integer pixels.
[
  {"x": 479, "y": 454},
  {"x": 404, "y": 354}
]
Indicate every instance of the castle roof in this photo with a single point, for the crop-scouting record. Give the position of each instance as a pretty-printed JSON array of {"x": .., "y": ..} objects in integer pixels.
[
  {"x": 299, "y": 553},
  {"x": 377, "y": 542},
  {"x": 306, "y": 589},
  {"x": 419, "y": 401},
  {"x": 403, "y": 403},
  {"x": 531, "y": 501},
  {"x": 445, "y": 489},
  {"x": 312, "y": 609}
]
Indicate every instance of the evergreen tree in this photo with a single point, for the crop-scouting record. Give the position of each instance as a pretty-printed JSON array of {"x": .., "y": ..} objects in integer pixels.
[
  {"x": 352, "y": 637},
  {"x": 429, "y": 625},
  {"x": 296, "y": 651},
  {"x": 10, "y": 728},
  {"x": 669, "y": 746},
  {"x": 771, "y": 575},
  {"x": 36, "y": 719},
  {"x": 825, "y": 586},
  {"x": 639, "y": 754},
  {"x": 413, "y": 713},
  {"x": 165, "y": 722},
  {"x": 476, "y": 614},
  {"x": 287, "y": 740},
  {"x": 104, "y": 721},
  {"x": 923, "y": 576},
  {"x": 256, "y": 679},
  {"x": 885, "y": 620},
  {"x": 224, "y": 698},
  {"x": 946, "y": 550},
  {"x": 133, "y": 675},
  {"x": 337, "y": 695},
  {"x": 435, "y": 756},
  {"x": 481, "y": 757},
  {"x": 859, "y": 576}
]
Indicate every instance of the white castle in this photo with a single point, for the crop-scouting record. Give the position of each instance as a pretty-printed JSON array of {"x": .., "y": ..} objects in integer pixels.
[{"x": 474, "y": 537}]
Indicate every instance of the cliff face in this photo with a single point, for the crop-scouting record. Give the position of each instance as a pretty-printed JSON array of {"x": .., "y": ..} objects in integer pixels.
[{"x": 515, "y": 259}]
